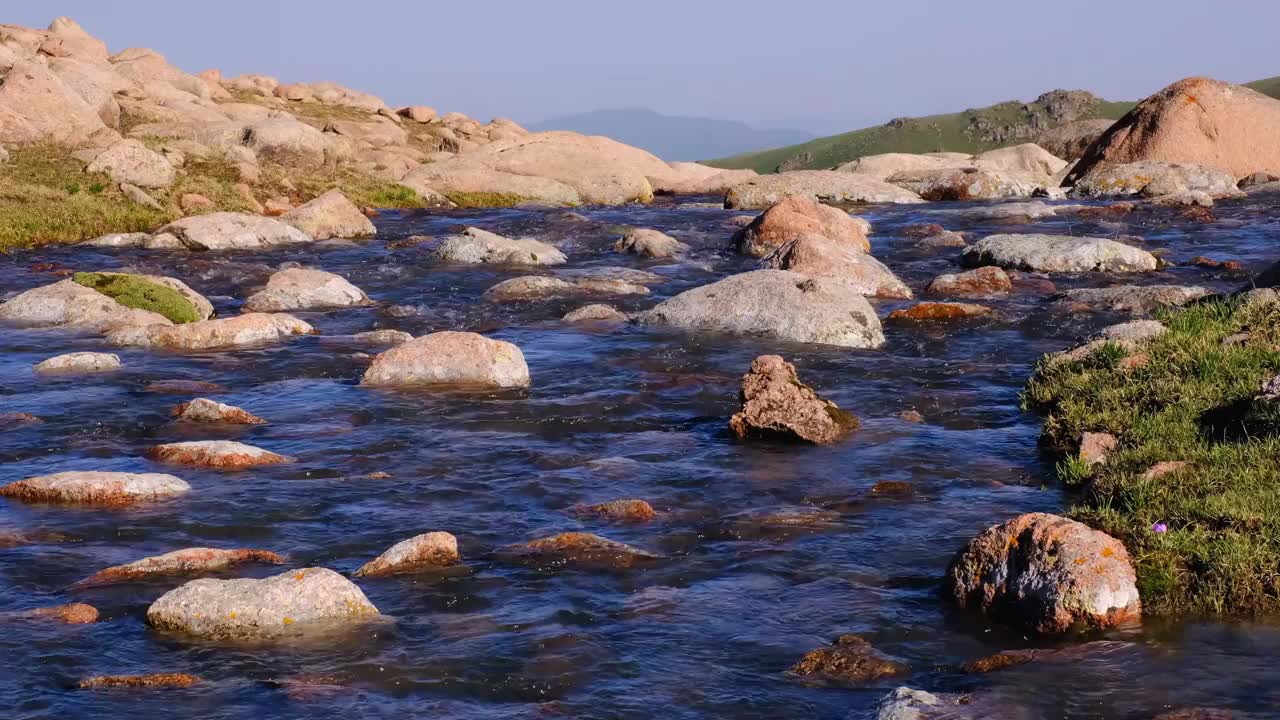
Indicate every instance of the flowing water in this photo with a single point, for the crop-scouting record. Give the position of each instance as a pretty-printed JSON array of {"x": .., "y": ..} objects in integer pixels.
[{"x": 614, "y": 412}]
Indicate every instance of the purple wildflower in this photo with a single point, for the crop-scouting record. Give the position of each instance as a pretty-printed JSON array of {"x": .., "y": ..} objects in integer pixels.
[{"x": 1159, "y": 528}]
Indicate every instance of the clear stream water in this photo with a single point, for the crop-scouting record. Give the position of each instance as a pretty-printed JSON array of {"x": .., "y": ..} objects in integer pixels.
[{"x": 614, "y": 412}]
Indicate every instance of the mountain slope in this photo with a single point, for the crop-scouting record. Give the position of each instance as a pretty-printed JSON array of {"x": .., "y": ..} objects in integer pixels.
[{"x": 672, "y": 137}]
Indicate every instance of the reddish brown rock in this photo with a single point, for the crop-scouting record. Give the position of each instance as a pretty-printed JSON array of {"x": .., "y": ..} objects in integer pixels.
[
  {"x": 797, "y": 217},
  {"x": 579, "y": 548},
  {"x": 215, "y": 453},
  {"x": 160, "y": 680},
  {"x": 430, "y": 550},
  {"x": 892, "y": 489},
  {"x": 818, "y": 256},
  {"x": 849, "y": 659},
  {"x": 1228, "y": 265},
  {"x": 72, "y": 614},
  {"x": 984, "y": 281},
  {"x": 12, "y": 420},
  {"x": 923, "y": 230},
  {"x": 184, "y": 563},
  {"x": 1095, "y": 446},
  {"x": 631, "y": 510},
  {"x": 776, "y": 404},
  {"x": 209, "y": 411},
  {"x": 940, "y": 311},
  {"x": 183, "y": 387}
]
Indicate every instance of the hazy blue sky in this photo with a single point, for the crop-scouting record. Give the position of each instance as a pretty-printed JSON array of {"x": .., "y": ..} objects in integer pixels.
[{"x": 823, "y": 66}]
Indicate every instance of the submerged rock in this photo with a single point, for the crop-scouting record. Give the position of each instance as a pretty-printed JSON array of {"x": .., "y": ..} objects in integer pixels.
[
  {"x": 476, "y": 246},
  {"x": 649, "y": 243},
  {"x": 215, "y": 453},
  {"x": 631, "y": 510},
  {"x": 983, "y": 282},
  {"x": 205, "y": 410},
  {"x": 909, "y": 704},
  {"x": 776, "y": 304},
  {"x": 940, "y": 311},
  {"x": 159, "y": 680},
  {"x": 595, "y": 313},
  {"x": 796, "y": 217},
  {"x": 188, "y": 562},
  {"x": 848, "y": 659},
  {"x": 430, "y": 550},
  {"x": 817, "y": 256},
  {"x": 304, "y": 289},
  {"x": 1058, "y": 253},
  {"x": 248, "y": 329},
  {"x": 72, "y": 614},
  {"x": 78, "y": 363},
  {"x": 540, "y": 287},
  {"x": 292, "y": 602},
  {"x": 775, "y": 404},
  {"x": 331, "y": 215},
  {"x": 95, "y": 488},
  {"x": 1045, "y": 574},
  {"x": 1134, "y": 299},
  {"x": 579, "y": 548},
  {"x": 451, "y": 359}
]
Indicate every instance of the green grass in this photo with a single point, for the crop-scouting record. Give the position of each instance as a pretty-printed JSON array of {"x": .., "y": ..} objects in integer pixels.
[
  {"x": 485, "y": 199},
  {"x": 137, "y": 293},
  {"x": 1193, "y": 401}
]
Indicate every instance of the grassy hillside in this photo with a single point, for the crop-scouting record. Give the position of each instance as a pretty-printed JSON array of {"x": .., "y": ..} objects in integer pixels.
[{"x": 971, "y": 131}]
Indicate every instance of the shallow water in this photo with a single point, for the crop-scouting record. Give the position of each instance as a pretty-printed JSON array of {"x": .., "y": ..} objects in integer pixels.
[{"x": 614, "y": 412}]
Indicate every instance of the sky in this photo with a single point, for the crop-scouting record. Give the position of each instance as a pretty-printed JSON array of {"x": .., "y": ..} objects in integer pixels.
[{"x": 822, "y": 66}]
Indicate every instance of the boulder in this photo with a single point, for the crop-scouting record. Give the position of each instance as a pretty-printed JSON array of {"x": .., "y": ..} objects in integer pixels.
[
  {"x": 233, "y": 231},
  {"x": 204, "y": 410},
  {"x": 418, "y": 113},
  {"x": 450, "y": 359},
  {"x": 940, "y": 311},
  {"x": 140, "y": 196},
  {"x": 96, "y": 84},
  {"x": 796, "y": 217},
  {"x": 982, "y": 282},
  {"x": 818, "y": 256},
  {"x": 1154, "y": 179},
  {"x": 192, "y": 203},
  {"x": 239, "y": 331},
  {"x": 215, "y": 453},
  {"x": 595, "y": 313},
  {"x": 1134, "y": 299},
  {"x": 1045, "y": 574},
  {"x": 331, "y": 215},
  {"x": 1027, "y": 158},
  {"x": 304, "y": 289},
  {"x": 476, "y": 246},
  {"x": 378, "y": 134},
  {"x": 1057, "y": 253},
  {"x": 775, "y": 404},
  {"x": 967, "y": 183},
  {"x": 286, "y": 141},
  {"x": 649, "y": 243},
  {"x": 95, "y": 488},
  {"x": 541, "y": 287},
  {"x": 431, "y": 550},
  {"x": 292, "y": 602},
  {"x": 1196, "y": 121},
  {"x": 850, "y": 659},
  {"x": 580, "y": 548},
  {"x": 71, "y": 305},
  {"x": 78, "y": 363},
  {"x": 775, "y": 304},
  {"x": 819, "y": 185},
  {"x": 167, "y": 296},
  {"x": 129, "y": 161},
  {"x": 36, "y": 106},
  {"x": 1070, "y": 140},
  {"x": 189, "y": 562}
]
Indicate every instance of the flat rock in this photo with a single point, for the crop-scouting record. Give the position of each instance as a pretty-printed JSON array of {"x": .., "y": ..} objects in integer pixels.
[
  {"x": 940, "y": 311},
  {"x": 967, "y": 183},
  {"x": 818, "y": 185},
  {"x": 78, "y": 363},
  {"x": 475, "y": 246},
  {"x": 430, "y": 550},
  {"x": 1134, "y": 299},
  {"x": 1057, "y": 253},
  {"x": 595, "y": 313},
  {"x": 331, "y": 215},
  {"x": 238, "y": 331},
  {"x": 215, "y": 453},
  {"x": 304, "y": 289},
  {"x": 188, "y": 562},
  {"x": 776, "y": 304},
  {"x": 95, "y": 488},
  {"x": 579, "y": 548},
  {"x": 1154, "y": 179},
  {"x": 233, "y": 231},
  {"x": 628, "y": 510},
  {"x": 289, "y": 603},
  {"x": 541, "y": 287},
  {"x": 450, "y": 359},
  {"x": 775, "y": 404}
]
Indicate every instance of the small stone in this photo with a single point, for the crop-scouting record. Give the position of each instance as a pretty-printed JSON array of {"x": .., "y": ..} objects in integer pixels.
[
  {"x": 776, "y": 404},
  {"x": 210, "y": 411},
  {"x": 649, "y": 243},
  {"x": 849, "y": 659},
  {"x": 1095, "y": 446},
  {"x": 382, "y": 338},
  {"x": 947, "y": 239},
  {"x": 165, "y": 680},
  {"x": 215, "y": 453},
  {"x": 187, "y": 562},
  {"x": 630, "y": 510},
  {"x": 78, "y": 363},
  {"x": 194, "y": 203},
  {"x": 940, "y": 311},
  {"x": 431, "y": 550}
]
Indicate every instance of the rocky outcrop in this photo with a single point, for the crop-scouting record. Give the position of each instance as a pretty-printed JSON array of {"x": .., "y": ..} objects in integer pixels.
[
  {"x": 1045, "y": 574},
  {"x": 458, "y": 176},
  {"x": 36, "y": 106},
  {"x": 331, "y": 215},
  {"x": 304, "y": 289},
  {"x": 239, "y": 331},
  {"x": 475, "y": 246},
  {"x": 78, "y": 363},
  {"x": 286, "y": 604},
  {"x": 1154, "y": 179},
  {"x": 187, "y": 563},
  {"x": 796, "y": 217},
  {"x": 430, "y": 550},
  {"x": 1057, "y": 253},
  {"x": 454, "y": 359},
  {"x": 215, "y": 453},
  {"x": 817, "y": 256},
  {"x": 648, "y": 243},
  {"x": 775, "y": 404},
  {"x": 541, "y": 287},
  {"x": 233, "y": 231},
  {"x": 817, "y": 185},
  {"x": 95, "y": 488},
  {"x": 204, "y": 410},
  {"x": 776, "y": 304}
]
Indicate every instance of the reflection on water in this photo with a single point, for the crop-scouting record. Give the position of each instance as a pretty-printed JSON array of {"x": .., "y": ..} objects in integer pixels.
[{"x": 613, "y": 413}]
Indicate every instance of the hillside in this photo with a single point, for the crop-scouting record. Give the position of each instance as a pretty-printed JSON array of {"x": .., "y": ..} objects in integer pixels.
[
  {"x": 673, "y": 137},
  {"x": 973, "y": 130}
]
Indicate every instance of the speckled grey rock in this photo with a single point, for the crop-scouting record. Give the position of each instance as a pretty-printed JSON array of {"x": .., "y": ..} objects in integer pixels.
[{"x": 1057, "y": 253}]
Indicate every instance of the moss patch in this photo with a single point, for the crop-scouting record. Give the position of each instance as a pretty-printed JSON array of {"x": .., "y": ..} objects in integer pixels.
[
  {"x": 1194, "y": 401},
  {"x": 137, "y": 293},
  {"x": 485, "y": 199}
]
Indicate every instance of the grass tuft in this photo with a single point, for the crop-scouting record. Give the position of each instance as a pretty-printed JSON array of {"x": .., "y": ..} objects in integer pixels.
[{"x": 485, "y": 199}]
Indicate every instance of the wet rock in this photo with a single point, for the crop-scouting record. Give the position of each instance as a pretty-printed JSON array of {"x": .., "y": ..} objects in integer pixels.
[
  {"x": 797, "y": 217},
  {"x": 430, "y": 550},
  {"x": 595, "y": 313},
  {"x": 68, "y": 304},
  {"x": 1094, "y": 447},
  {"x": 382, "y": 338},
  {"x": 188, "y": 562},
  {"x": 775, "y": 404},
  {"x": 817, "y": 256},
  {"x": 183, "y": 387},
  {"x": 1045, "y": 574},
  {"x": 204, "y": 410},
  {"x": 967, "y": 183},
  {"x": 1134, "y": 299},
  {"x": 775, "y": 304},
  {"x": 1198, "y": 713},
  {"x": 945, "y": 239},
  {"x": 239, "y": 331},
  {"x": 649, "y": 243},
  {"x": 292, "y": 602},
  {"x": 922, "y": 230},
  {"x": 476, "y": 246},
  {"x": 895, "y": 488},
  {"x": 1227, "y": 265},
  {"x": 303, "y": 289},
  {"x": 940, "y": 311},
  {"x": 1057, "y": 253},
  {"x": 215, "y": 453},
  {"x": 95, "y": 488},
  {"x": 1153, "y": 180},
  {"x": 541, "y": 287},
  {"x": 78, "y": 363},
  {"x": 579, "y": 548},
  {"x": 149, "y": 682},
  {"x": 984, "y": 282},
  {"x": 630, "y": 510},
  {"x": 613, "y": 273},
  {"x": 773, "y": 523},
  {"x": 331, "y": 215},
  {"x": 818, "y": 185},
  {"x": 13, "y": 420},
  {"x": 848, "y": 659},
  {"x": 1010, "y": 212},
  {"x": 452, "y": 359},
  {"x": 908, "y": 704},
  {"x": 233, "y": 231},
  {"x": 72, "y": 614},
  {"x": 129, "y": 161}
]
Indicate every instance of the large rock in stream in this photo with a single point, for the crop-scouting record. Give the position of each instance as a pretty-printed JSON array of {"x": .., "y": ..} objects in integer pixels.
[
  {"x": 1057, "y": 253},
  {"x": 87, "y": 487},
  {"x": 239, "y": 331},
  {"x": 1154, "y": 180},
  {"x": 797, "y": 217},
  {"x": 305, "y": 289},
  {"x": 233, "y": 231},
  {"x": 775, "y": 404},
  {"x": 817, "y": 256},
  {"x": 107, "y": 300},
  {"x": 775, "y": 304},
  {"x": 456, "y": 359},
  {"x": 474, "y": 246}
]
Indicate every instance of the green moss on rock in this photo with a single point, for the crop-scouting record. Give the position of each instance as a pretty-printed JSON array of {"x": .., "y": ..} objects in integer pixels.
[{"x": 134, "y": 292}]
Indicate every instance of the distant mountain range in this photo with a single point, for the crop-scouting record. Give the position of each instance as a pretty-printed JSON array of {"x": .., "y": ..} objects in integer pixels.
[{"x": 672, "y": 137}]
